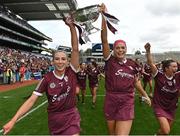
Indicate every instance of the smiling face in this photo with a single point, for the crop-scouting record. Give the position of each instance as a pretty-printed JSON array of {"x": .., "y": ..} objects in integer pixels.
[
  {"x": 120, "y": 51},
  {"x": 83, "y": 66},
  {"x": 172, "y": 68},
  {"x": 169, "y": 67},
  {"x": 60, "y": 61}
]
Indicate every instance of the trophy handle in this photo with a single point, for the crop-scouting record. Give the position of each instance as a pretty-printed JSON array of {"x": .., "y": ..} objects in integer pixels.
[{"x": 90, "y": 28}]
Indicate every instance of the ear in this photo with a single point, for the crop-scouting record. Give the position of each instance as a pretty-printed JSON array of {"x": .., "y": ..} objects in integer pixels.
[
  {"x": 126, "y": 48},
  {"x": 166, "y": 68}
]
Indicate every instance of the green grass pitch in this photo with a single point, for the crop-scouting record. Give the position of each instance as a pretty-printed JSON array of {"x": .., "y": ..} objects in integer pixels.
[{"x": 92, "y": 120}]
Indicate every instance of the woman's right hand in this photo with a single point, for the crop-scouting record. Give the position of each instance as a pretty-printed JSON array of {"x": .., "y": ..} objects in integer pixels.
[
  {"x": 147, "y": 47},
  {"x": 7, "y": 127},
  {"x": 147, "y": 100},
  {"x": 103, "y": 8}
]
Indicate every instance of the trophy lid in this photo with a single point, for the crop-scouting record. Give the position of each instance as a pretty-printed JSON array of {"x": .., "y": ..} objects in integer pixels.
[
  {"x": 88, "y": 8},
  {"x": 89, "y": 13}
]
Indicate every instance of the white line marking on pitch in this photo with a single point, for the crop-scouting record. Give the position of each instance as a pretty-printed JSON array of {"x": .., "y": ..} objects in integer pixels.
[
  {"x": 101, "y": 95},
  {"x": 88, "y": 95},
  {"x": 42, "y": 105},
  {"x": 5, "y": 97},
  {"x": 29, "y": 112}
]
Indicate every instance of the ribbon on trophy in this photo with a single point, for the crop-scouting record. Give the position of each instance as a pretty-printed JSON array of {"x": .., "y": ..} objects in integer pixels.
[
  {"x": 83, "y": 35},
  {"x": 86, "y": 16},
  {"x": 110, "y": 18},
  {"x": 80, "y": 29}
]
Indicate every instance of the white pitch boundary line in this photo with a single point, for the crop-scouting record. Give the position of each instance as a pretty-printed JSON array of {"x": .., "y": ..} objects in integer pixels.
[
  {"x": 36, "y": 109},
  {"x": 42, "y": 105},
  {"x": 32, "y": 111},
  {"x": 29, "y": 112},
  {"x": 89, "y": 95},
  {"x": 101, "y": 95}
]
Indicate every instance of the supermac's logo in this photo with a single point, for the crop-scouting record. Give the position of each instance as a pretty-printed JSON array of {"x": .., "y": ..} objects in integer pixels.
[
  {"x": 52, "y": 85},
  {"x": 123, "y": 74}
]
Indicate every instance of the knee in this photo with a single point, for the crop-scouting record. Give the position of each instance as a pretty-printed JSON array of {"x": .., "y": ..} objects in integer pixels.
[{"x": 165, "y": 131}]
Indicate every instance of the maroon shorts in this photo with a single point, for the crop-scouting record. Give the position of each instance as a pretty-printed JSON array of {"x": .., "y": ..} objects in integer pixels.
[
  {"x": 169, "y": 114},
  {"x": 82, "y": 86},
  {"x": 93, "y": 84},
  {"x": 147, "y": 78},
  {"x": 64, "y": 123},
  {"x": 119, "y": 106}
]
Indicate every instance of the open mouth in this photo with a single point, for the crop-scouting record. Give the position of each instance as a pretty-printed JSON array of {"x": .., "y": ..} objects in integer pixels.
[{"x": 60, "y": 67}]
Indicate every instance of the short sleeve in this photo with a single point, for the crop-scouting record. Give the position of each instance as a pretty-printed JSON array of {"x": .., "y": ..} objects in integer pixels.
[{"x": 41, "y": 87}]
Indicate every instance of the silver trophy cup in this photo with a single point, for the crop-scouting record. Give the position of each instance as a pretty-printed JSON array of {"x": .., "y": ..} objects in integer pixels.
[{"x": 86, "y": 16}]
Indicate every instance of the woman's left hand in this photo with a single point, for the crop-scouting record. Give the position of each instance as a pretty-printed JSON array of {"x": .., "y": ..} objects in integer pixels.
[
  {"x": 147, "y": 100},
  {"x": 69, "y": 21}
]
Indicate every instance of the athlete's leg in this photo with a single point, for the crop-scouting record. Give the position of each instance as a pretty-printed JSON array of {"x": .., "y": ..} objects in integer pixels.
[
  {"x": 123, "y": 127},
  {"x": 83, "y": 92},
  {"x": 165, "y": 126},
  {"x": 94, "y": 94},
  {"x": 111, "y": 127},
  {"x": 77, "y": 92}
]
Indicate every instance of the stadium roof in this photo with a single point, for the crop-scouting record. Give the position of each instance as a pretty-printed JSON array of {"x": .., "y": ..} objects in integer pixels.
[{"x": 41, "y": 9}]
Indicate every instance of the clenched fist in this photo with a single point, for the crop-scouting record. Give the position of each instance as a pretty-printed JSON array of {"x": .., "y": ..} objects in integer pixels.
[
  {"x": 7, "y": 127},
  {"x": 147, "y": 47}
]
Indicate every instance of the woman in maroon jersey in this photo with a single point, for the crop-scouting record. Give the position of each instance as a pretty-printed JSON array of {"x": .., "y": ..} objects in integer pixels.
[
  {"x": 60, "y": 88},
  {"x": 93, "y": 75},
  {"x": 166, "y": 91},
  {"x": 147, "y": 78},
  {"x": 81, "y": 85},
  {"x": 121, "y": 78}
]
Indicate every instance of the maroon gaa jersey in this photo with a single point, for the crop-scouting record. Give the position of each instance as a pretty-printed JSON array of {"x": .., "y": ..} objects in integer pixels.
[
  {"x": 60, "y": 91},
  {"x": 93, "y": 75},
  {"x": 81, "y": 76},
  {"x": 166, "y": 91},
  {"x": 147, "y": 68},
  {"x": 120, "y": 76}
]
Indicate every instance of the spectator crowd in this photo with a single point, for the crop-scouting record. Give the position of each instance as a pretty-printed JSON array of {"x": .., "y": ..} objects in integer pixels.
[{"x": 17, "y": 65}]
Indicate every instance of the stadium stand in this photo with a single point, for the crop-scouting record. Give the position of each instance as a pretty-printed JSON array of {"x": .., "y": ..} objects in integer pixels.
[
  {"x": 16, "y": 33},
  {"x": 18, "y": 41}
]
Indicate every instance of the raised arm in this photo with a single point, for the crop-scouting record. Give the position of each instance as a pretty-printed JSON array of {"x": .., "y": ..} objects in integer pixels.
[
  {"x": 74, "y": 43},
  {"x": 105, "y": 44},
  {"x": 150, "y": 59},
  {"x": 22, "y": 110}
]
